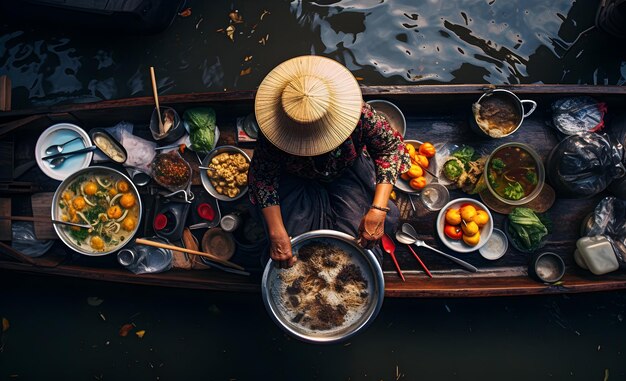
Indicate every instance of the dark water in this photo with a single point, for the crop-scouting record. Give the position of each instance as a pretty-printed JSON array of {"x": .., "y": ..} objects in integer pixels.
[
  {"x": 381, "y": 42},
  {"x": 56, "y": 334}
]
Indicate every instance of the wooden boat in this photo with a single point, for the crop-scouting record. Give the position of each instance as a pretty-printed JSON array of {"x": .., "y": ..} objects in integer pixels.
[{"x": 434, "y": 113}]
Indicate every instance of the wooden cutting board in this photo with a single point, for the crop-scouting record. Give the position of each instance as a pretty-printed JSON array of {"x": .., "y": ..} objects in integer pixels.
[
  {"x": 5, "y": 225},
  {"x": 42, "y": 205}
]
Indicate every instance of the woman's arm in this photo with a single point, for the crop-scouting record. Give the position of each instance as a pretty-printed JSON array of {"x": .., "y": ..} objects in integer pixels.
[
  {"x": 372, "y": 225},
  {"x": 280, "y": 244}
]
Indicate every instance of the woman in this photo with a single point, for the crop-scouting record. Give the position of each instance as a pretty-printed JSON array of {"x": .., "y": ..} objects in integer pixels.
[{"x": 324, "y": 159}]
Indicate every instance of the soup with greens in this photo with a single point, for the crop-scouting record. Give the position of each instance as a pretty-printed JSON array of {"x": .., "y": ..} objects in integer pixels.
[
  {"x": 108, "y": 203},
  {"x": 512, "y": 173}
]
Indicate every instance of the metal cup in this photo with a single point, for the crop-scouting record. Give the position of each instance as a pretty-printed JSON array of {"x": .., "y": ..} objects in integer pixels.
[
  {"x": 168, "y": 115},
  {"x": 230, "y": 222}
]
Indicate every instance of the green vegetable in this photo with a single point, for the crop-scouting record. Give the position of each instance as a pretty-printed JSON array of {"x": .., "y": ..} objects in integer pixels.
[
  {"x": 92, "y": 214},
  {"x": 79, "y": 235},
  {"x": 492, "y": 179},
  {"x": 453, "y": 169},
  {"x": 526, "y": 228},
  {"x": 201, "y": 121},
  {"x": 498, "y": 165},
  {"x": 465, "y": 154},
  {"x": 514, "y": 191},
  {"x": 531, "y": 176}
]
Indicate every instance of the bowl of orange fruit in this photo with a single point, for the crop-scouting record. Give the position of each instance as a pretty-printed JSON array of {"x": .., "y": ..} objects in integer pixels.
[
  {"x": 422, "y": 167},
  {"x": 464, "y": 225}
]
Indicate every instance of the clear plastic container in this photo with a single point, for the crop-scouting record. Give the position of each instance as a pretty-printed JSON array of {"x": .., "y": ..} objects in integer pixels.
[{"x": 141, "y": 259}]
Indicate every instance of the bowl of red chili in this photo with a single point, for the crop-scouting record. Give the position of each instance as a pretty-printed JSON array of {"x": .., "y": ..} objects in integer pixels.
[{"x": 171, "y": 171}]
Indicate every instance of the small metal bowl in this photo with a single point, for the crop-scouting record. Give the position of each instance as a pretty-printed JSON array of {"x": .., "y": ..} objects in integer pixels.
[
  {"x": 106, "y": 143},
  {"x": 392, "y": 113},
  {"x": 547, "y": 267},
  {"x": 206, "y": 182}
]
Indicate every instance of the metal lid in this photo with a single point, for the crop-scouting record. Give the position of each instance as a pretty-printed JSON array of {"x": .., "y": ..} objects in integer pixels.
[{"x": 496, "y": 246}]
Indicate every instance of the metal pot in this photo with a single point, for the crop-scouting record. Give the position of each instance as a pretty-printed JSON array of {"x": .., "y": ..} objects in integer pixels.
[
  {"x": 272, "y": 284},
  {"x": 57, "y": 211},
  {"x": 512, "y": 99}
]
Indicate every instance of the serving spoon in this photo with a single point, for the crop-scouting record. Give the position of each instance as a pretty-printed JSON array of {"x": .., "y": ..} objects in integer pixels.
[
  {"x": 58, "y": 148},
  {"x": 408, "y": 236}
]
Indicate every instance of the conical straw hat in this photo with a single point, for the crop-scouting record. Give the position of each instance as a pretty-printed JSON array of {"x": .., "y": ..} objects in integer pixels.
[{"x": 308, "y": 105}]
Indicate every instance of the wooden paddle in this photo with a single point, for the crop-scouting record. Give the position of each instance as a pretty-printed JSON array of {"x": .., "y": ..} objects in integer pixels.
[{"x": 142, "y": 241}]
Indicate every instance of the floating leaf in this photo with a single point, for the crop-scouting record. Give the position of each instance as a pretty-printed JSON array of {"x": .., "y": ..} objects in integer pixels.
[
  {"x": 125, "y": 329},
  {"x": 5, "y": 325},
  {"x": 140, "y": 333},
  {"x": 247, "y": 58},
  {"x": 199, "y": 21},
  {"x": 185, "y": 12},
  {"x": 235, "y": 17},
  {"x": 230, "y": 32},
  {"x": 265, "y": 12},
  {"x": 245, "y": 72},
  {"x": 94, "y": 301}
]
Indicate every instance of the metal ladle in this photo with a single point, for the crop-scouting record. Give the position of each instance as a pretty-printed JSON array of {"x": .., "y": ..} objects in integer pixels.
[{"x": 408, "y": 236}]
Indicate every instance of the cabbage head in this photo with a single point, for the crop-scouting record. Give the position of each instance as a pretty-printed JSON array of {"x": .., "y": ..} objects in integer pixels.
[{"x": 201, "y": 121}]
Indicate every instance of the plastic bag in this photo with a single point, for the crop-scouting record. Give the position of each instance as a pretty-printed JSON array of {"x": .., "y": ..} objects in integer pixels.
[
  {"x": 608, "y": 220},
  {"x": 617, "y": 132},
  {"x": 24, "y": 241},
  {"x": 583, "y": 165},
  {"x": 578, "y": 115}
]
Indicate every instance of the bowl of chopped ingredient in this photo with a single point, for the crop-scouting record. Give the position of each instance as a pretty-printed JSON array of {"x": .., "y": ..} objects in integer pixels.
[
  {"x": 100, "y": 197},
  {"x": 515, "y": 174},
  {"x": 333, "y": 291},
  {"x": 171, "y": 171},
  {"x": 226, "y": 178}
]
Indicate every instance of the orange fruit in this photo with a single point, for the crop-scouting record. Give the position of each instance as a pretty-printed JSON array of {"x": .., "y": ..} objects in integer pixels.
[
  {"x": 405, "y": 176},
  {"x": 418, "y": 182},
  {"x": 422, "y": 161},
  {"x": 427, "y": 149},
  {"x": 415, "y": 171},
  {"x": 410, "y": 148}
]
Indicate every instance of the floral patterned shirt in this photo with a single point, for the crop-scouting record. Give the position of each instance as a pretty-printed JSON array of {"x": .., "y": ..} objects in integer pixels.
[{"x": 373, "y": 134}]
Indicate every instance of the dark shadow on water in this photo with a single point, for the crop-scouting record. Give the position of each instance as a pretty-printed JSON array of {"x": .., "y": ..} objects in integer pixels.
[{"x": 55, "y": 333}]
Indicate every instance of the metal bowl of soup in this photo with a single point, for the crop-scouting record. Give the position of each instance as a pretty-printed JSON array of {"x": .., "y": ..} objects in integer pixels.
[
  {"x": 104, "y": 198},
  {"x": 515, "y": 174},
  {"x": 333, "y": 291}
]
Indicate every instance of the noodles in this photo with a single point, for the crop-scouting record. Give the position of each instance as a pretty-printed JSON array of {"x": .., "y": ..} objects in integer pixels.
[{"x": 88, "y": 200}]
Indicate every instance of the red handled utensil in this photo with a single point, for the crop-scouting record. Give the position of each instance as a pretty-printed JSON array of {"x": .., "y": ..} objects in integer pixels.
[
  {"x": 420, "y": 261},
  {"x": 390, "y": 247}
]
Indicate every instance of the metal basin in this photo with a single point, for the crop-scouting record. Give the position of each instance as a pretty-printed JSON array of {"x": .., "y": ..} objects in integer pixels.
[{"x": 283, "y": 314}]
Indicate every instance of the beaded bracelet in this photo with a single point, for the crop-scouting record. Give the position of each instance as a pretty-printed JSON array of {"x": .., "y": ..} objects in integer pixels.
[{"x": 384, "y": 209}]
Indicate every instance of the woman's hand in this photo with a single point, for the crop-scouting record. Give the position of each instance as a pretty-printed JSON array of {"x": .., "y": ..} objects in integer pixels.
[
  {"x": 280, "y": 250},
  {"x": 280, "y": 244},
  {"x": 372, "y": 227}
]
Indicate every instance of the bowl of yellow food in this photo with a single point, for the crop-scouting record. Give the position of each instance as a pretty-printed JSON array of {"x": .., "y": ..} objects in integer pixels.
[
  {"x": 226, "y": 178},
  {"x": 101, "y": 197},
  {"x": 464, "y": 225}
]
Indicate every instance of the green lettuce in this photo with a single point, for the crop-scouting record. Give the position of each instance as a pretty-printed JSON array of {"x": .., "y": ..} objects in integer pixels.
[{"x": 201, "y": 121}]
